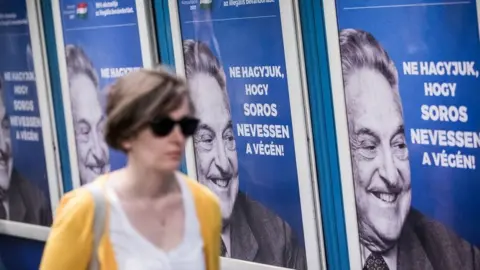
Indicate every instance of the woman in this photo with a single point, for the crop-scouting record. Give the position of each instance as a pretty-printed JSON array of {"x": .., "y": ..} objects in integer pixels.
[{"x": 156, "y": 217}]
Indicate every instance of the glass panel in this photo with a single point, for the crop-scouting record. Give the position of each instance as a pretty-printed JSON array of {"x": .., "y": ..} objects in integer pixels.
[
  {"x": 102, "y": 43},
  {"x": 235, "y": 64},
  {"x": 24, "y": 187},
  {"x": 411, "y": 85}
]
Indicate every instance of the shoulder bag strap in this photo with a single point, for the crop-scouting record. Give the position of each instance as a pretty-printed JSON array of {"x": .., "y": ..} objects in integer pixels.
[{"x": 100, "y": 213}]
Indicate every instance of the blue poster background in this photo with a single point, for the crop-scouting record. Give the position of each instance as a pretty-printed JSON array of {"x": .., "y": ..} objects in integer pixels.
[
  {"x": 431, "y": 31},
  {"x": 110, "y": 41},
  {"x": 16, "y": 56},
  {"x": 251, "y": 35}
]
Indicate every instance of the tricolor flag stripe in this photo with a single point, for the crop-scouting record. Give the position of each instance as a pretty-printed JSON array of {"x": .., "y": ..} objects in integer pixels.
[
  {"x": 82, "y": 10},
  {"x": 206, "y": 4}
]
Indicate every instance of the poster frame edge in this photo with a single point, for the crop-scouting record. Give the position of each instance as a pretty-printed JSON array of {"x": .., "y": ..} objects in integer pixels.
[
  {"x": 165, "y": 46},
  {"x": 341, "y": 131},
  {"x": 180, "y": 69},
  {"x": 55, "y": 92},
  {"x": 67, "y": 106},
  {"x": 234, "y": 264},
  {"x": 229, "y": 263},
  {"x": 311, "y": 146},
  {"x": 146, "y": 33},
  {"x": 308, "y": 190},
  {"x": 478, "y": 17},
  {"x": 24, "y": 230},
  {"x": 45, "y": 105}
]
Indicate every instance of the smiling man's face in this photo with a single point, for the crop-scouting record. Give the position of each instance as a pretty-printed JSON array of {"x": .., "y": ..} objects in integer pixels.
[
  {"x": 380, "y": 158},
  {"x": 92, "y": 151},
  {"x": 217, "y": 161}
]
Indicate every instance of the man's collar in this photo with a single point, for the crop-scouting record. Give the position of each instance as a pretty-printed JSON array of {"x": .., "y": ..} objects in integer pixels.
[{"x": 409, "y": 251}]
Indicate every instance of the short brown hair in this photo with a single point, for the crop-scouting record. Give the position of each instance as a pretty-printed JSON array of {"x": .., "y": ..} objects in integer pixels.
[{"x": 137, "y": 98}]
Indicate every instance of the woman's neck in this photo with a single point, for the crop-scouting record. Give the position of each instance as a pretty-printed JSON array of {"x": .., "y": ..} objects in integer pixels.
[{"x": 147, "y": 183}]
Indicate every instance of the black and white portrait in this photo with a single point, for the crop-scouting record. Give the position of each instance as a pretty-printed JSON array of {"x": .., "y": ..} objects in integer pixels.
[
  {"x": 88, "y": 116},
  {"x": 250, "y": 231},
  {"x": 392, "y": 234},
  {"x": 21, "y": 201}
]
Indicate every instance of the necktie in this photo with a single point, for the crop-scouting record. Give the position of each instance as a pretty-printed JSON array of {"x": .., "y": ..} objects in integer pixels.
[
  {"x": 223, "y": 249},
  {"x": 375, "y": 262}
]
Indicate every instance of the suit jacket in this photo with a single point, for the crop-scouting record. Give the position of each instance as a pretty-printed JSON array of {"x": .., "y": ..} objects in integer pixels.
[
  {"x": 2, "y": 266},
  {"x": 428, "y": 245},
  {"x": 27, "y": 203},
  {"x": 260, "y": 236}
]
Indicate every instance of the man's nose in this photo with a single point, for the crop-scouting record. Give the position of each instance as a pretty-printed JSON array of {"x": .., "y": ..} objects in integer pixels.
[
  {"x": 3, "y": 141},
  {"x": 97, "y": 151},
  {"x": 388, "y": 170},
  {"x": 221, "y": 159}
]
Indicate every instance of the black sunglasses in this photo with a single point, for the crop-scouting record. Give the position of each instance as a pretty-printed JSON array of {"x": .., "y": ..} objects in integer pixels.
[{"x": 161, "y": 127}]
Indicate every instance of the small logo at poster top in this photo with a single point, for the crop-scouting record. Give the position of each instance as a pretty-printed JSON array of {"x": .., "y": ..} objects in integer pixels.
[
  {"x": 206, "y": 4},
  {"x": 82, "y": 10}
]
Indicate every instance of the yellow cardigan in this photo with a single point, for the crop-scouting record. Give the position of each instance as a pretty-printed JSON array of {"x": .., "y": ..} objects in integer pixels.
[{"x": 69, "y": 244}]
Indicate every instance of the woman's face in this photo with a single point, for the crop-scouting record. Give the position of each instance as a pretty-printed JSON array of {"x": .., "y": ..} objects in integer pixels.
[{"x": 161, "y": 154}]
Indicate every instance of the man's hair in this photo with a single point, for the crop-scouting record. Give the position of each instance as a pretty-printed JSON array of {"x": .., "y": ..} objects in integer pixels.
[
  {"x": 199, "y": 59},
  {"x": 139, "y": 97},
  {"x": 79, "y": 63},
  {"x": 359, "y": 49}
]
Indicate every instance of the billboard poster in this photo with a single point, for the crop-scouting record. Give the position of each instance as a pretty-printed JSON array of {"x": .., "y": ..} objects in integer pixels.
[
  {"x": 244, "y": 147},
  {"x": 24, "y": 188},
  {"x": 102, "y": 43},
  {"x": 411, "y": 76}
]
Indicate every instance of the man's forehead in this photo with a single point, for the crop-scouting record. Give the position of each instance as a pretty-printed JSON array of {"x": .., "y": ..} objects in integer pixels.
[
  {"x": 81, "y": 84},
  {"x": 207, "y": 95},
  {"x": 372, "y": 102},
  {"x": 205, "y": 86},
  {"x": 85, "y": 103},
  {"x": 83, "y": 90},
  {"x": 367, "y": 87}
]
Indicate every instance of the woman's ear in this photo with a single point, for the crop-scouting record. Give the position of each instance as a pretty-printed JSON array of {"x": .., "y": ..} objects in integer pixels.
[{"x": 126, "y": 145}]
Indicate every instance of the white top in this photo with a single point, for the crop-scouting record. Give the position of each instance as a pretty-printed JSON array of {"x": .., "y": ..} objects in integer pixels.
[{"x": 133, "y": 251}]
